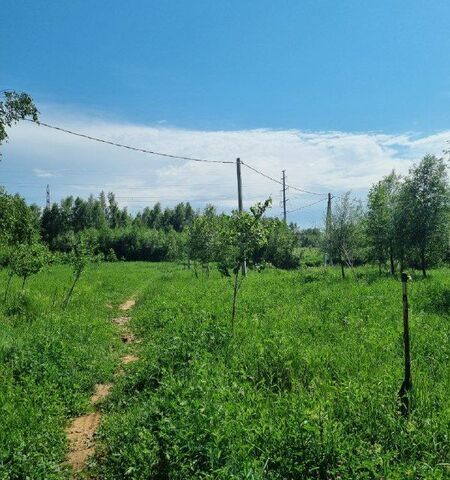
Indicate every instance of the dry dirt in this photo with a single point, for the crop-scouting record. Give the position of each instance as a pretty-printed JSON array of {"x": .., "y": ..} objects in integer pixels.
[
  {"x": 80, "y": 435},
  {"x": 129, "y": 359},
  {"x": 101, "y": 392},
  {"x": 81, "y": 432},
  {"x": 121, "y": 321},
  {"x": 127, "y": 305}
]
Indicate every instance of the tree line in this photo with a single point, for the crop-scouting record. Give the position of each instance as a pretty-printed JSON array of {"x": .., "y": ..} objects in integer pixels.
[{"x": 405, "y": 223}]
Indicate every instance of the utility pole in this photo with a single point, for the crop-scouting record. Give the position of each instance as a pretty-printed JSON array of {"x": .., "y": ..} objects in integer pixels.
[
  {"x": 240, "y": 203},
  {"x": 327, "y": 257},
  {"x": 284, "y": 196},
  {"x": 47, "y": 203}
]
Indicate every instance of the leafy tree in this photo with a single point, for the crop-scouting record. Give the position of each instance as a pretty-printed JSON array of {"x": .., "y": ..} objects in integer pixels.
[
  {"x": 282, "y": 242},
  {"x": 114, "y": 217},
  {"x": 204, "y": 240},
  {"x": 345, "y": 235},
  {"x": 241, "y": 236},
  {"x": 28, "y": 259},
  {"x": 310, "y": 237},
  {"x": 80, "y": 256},
  {"x": 17, "y": 220},
  {"x": 423, "y": 212},
  {"x": 14, "y": 107},
  {"x": 380, "y": 225}
]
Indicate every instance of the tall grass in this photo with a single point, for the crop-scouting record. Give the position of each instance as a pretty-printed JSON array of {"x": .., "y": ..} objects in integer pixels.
[
  {"x": 307, "y": 388},
  {"x": 50, "y": 360}
]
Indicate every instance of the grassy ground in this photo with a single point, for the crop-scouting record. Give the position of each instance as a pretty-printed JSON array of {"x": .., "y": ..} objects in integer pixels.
[
  {"x": 50, "y": 361},
  {"x": 306, "y": 388}
]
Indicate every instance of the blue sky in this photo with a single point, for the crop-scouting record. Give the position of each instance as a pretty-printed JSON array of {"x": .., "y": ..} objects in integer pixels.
[{"x": 375, "y": 68}]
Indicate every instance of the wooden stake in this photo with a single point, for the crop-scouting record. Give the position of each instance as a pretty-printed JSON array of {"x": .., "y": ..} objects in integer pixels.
[{"x": 405, "y": 389}]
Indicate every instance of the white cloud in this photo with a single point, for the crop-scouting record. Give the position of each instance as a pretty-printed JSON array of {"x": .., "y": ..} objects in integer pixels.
[
  {"x": 317, "y": 161},
  {"x": 42, "y": 173}
]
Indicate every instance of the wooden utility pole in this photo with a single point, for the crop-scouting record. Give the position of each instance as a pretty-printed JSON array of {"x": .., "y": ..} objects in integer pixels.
[
  {"x": 284, "y": 196},
  {"x": 405, "y": 389},
  {"x": 327, "y": 257},
  {"x": 240, "y": 203}
]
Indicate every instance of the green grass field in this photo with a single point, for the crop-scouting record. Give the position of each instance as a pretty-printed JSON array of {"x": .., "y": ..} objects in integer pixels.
[{"x": 306, "y": 388}]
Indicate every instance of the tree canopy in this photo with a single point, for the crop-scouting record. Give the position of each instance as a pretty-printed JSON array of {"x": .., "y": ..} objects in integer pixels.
[{"x": 15, "y": 106}]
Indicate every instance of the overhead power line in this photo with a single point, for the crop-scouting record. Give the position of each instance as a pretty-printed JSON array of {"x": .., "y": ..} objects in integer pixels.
[
  {"x": 306, "y": 206},
  {"x": 168, "y": 155},
  {"x": 128, "y": 147},
  {"x": 280, "y": 182}
]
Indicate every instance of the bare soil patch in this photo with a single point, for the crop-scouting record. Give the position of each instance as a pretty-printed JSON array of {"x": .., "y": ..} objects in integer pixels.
[
  {"x": 81, "y": 432},
  {"x": 101, "y": 392},
  {"x": 127, "y": 305},
  {"x": 127, "y": 337},
  {"x": 121, "y": 321},
  {"x": 129, "y": 359},
  {"x": 80, "y": 435}
]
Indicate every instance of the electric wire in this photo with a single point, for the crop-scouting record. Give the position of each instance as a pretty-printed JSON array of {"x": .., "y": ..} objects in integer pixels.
[
  {"x": 306, "y": 206},
  {"x": 180, "y": 157},
  {"x": 128, "y": 147},
  {"x": 280, "y": 182},
  {"x": 168, "y": 155}
]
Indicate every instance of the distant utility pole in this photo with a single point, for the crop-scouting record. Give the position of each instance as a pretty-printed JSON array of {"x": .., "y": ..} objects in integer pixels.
[
  {"x": 240, "y": 203},
  {"x": 284, "y": 196},
  {"x": 328, "y": 258},
  {"x": 47, "y": 203}
]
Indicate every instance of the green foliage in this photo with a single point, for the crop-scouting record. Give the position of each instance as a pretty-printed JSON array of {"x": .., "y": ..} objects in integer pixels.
[
  {"x": 310, "y": 237},
  {"x": 28, "y": 259},
  {"x": 380, "y": 223},
  {"x": 281, "y": 248},
  {"x": 309, "y": 390},
  {"x": 345, "y": 236},
  {"x": 14, "y": 107},
  {"x": 423, "y": 213},
  {"x": 17, "y": 220},
  {"x": 111, "y": 256},
  {"x": 83, "y": 253},
  {"x": 242, "y": 235},
  {"x": 204, "y": 241},
  {"x": 50, "y": 361}
]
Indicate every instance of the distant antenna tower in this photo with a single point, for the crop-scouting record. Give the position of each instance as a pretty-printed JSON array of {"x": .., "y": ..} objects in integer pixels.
[{"x": 47, "y": 203}]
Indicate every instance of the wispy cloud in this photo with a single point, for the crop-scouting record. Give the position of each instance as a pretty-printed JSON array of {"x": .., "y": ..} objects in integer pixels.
[
  {"x": 317, "y": 161},
  {"x": 43, "y": 173}
]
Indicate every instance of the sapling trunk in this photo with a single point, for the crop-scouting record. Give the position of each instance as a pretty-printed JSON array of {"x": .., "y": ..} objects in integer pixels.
[
  {"x": 195, "y": 270},
  {"x": 8, "y": 284},
  {"x": 423, "y": 264},
  {"x": 69, "y": 293},
  {"x": 235, "y": 292},
  {"x": 391, "y": 258}
]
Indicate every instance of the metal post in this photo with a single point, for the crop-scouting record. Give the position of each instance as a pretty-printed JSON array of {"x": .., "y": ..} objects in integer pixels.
[{"x": 284, "y": 196}]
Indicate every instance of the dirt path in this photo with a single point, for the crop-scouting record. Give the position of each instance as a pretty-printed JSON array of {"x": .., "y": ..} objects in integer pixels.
[
  {"x": 129, "y": 304},
  {"x": 81, "y": 432}
]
